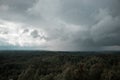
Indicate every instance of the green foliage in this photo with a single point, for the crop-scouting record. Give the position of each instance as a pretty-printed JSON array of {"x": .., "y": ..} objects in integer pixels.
[{"x": 59, "y": 66}]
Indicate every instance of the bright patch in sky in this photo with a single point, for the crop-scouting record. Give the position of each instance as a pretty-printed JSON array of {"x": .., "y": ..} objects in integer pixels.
[
  {"x": 18, "y": 34},
  {"x": 71, "y": 25}
]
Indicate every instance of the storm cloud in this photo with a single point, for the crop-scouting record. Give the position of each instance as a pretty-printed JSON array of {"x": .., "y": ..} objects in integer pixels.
[{"x": 72, "y": 25}]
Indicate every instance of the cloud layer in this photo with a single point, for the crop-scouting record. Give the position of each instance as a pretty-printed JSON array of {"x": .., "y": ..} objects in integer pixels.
[{"x": 60, "y": 24}]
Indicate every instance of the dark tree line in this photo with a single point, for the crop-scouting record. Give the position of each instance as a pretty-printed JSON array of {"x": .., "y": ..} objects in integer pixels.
[{"x": 54, "y": 66}]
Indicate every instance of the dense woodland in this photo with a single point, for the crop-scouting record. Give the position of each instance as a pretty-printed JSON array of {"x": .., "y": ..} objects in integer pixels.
[{"x": 43, "y": 65}]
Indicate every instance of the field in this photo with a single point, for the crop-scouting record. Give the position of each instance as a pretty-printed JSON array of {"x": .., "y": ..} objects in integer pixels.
[{"x": 48, "y": 65}]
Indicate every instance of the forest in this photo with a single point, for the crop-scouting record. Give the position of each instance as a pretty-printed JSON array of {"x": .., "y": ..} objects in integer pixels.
[{"x": 51, "y": 65}]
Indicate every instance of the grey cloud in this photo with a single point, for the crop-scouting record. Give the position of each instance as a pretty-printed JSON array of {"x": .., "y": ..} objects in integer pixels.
[
  {"x": 69, "y": 24},
  {"x": 18, "y": 5},
  {"x": 38, "y": 34},
  {"x": 106, "y": 32},
  {"x": 83, "y": 11},
  {"x": 35, "y": 34},
  {"x": 16, "y": 10},
  {"x": 2, "y": 31},
  {"x": 26, "y": 30}
]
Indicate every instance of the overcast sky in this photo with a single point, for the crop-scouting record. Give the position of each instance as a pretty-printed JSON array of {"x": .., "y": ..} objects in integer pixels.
[{"x": 70, "y": 25}]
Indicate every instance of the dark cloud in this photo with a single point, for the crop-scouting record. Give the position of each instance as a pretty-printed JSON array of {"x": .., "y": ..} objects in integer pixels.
[
  {"x": 38, "y": 34},
  {"x": 18, "y": 5},
  {"x": 26, "y": 30},
  {"x": 84, "y": 11},
  {"x": 35, "y": 34},
  {"x": 68, "y": 24}
]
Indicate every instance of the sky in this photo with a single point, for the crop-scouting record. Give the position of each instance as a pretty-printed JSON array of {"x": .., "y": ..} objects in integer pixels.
[{"x": 60, "y": 25}]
